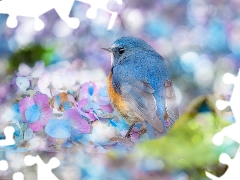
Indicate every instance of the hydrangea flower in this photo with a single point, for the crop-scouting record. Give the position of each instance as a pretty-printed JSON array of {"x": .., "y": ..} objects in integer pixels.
[
  {"x": 58, "y": 128},
  {"x": 71, "y": 123},
  {"x": 78, "y": 122},
  {"x": 93, "y": 102},
  {"x": 86, "y": 106},
  {"x": 62, "y": 101},
  {"x": 84, "y": 109},
  {"x": 35, "y": 111},
  {"x": 13, "y": 113}
]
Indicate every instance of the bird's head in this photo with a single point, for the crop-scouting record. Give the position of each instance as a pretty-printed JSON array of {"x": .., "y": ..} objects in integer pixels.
[{"x": 125, "y": 47}]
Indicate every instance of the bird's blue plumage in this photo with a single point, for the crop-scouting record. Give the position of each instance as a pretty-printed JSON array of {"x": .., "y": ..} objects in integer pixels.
[{"x": 136, "y": 69}]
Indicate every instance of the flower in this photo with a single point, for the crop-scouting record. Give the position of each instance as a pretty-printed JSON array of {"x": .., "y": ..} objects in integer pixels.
[
  {"x": 62, "y": 101},
  {"x": 35, "y": 111},
  {"x": 70, "y": 125},
  {"x": 13, "y": 113},
  {"x": 58, "y": 128},
  {"x": 77, "y": 120},
  {"x": 84, "y": 109},
  {"x": 94, "y": 103}
]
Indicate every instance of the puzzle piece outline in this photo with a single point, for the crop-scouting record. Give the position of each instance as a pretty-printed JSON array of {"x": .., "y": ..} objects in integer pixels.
[
  {"x": 43, "y": 170},
  {"x": 8, "y": 141},
  {"x": 94, "y": 6},
  {"x": 231, "y": 131},
  {"x": 3, "y": 165},
  {"x": 36, "y": 8},
  {"x": 232, "y": 170}
]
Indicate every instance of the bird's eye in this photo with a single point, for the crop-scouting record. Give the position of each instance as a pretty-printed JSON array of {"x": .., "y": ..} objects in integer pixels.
[{"x": 121, "y": 50}]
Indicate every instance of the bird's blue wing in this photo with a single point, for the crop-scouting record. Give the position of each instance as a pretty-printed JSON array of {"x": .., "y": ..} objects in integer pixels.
[
  {"x": 170, "y": 103},
  {"x": 139, "y": 97}
]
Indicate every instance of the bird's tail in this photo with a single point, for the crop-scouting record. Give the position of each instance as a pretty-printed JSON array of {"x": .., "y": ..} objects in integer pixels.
[{"x": 154, "y": 133}]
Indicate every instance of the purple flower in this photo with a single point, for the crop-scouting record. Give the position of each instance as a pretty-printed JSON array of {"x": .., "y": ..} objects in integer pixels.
[
  {"x": 35, "y": 111},
  {"x": 85, "y": 111},
  {"x": 93, "y": 101},
  {"x": 88, "y": 89},
  {"x": 71, "y": 124},
  {"x": 104, "y": 101},
  {"x": 77, "y": 120}
]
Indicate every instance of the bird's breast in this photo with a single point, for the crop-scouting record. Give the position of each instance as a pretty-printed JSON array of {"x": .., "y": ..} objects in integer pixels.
[{"x": 116, "y": 99}]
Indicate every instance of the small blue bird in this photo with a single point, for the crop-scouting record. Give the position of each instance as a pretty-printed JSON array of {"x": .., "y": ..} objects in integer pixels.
[{"x": 140, "y": 88}]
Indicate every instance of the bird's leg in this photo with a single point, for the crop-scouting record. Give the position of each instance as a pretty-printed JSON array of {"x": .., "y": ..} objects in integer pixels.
[
  {"x": 142, "y": 131},
  {"x": 130, "y": 129}
]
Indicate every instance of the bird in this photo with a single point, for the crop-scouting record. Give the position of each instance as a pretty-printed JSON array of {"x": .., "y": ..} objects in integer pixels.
[{"x": 140, "y": 88}]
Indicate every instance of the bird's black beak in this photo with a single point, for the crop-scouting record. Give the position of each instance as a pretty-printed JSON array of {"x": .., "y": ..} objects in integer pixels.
[{"x": 107, "y": 49}]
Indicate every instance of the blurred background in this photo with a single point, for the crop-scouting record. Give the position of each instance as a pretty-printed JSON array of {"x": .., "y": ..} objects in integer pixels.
[{"x": 199, "y": 40}]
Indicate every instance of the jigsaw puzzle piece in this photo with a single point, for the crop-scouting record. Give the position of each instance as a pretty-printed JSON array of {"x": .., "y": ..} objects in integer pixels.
[
  {"x": 8, "y": 132},
  {"x": 36, "y": 8},
  {"x": 232, "y": 172},
  {"x": 63, "y": 8},
  {"x": 18, "y": 176},
  {"x": 231, "y": 131},
  {"x": 235, "y": 97},
  {"x": 44, "y": 170},
  {"x": 3, "y": 165},
  {"x": 100, "y": 4},
  {"x": 25, "y": 8}
]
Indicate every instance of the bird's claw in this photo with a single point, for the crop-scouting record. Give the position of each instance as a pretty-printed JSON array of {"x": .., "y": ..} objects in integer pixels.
[
  {"x": 128, "y": 135},
  {"x": 142, "y": 131}
]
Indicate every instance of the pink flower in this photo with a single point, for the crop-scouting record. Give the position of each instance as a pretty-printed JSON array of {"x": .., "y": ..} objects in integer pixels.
[
  {"x": 85, "y": 110},
  {"x": 35, "y": 111},
  {"x": 77, "y": 120}
]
